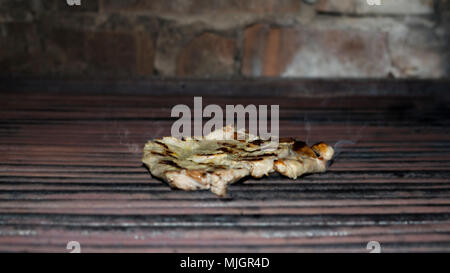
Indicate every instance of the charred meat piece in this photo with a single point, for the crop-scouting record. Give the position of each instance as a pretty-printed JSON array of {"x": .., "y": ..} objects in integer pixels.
[{"x": 220, "y": 158}]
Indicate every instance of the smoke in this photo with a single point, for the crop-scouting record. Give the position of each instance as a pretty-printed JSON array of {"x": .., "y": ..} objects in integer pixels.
[
  {"x": 124, "y": 139},
  {"x": 307, "y": 127},
  {"x": 342, "y": 144},
  {"x": 339, "y": 146}
]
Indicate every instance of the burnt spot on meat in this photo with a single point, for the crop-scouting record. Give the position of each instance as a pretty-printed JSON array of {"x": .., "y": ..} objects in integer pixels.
[
  {"x": 196, "y": 174},
  {"x": 257, "y": 142},
  {"x": 267, "y": 155},
  {"x": 170, "y": 163},
  {"x": 279, "y": 162},
  {"x": 231, "y": 148},
  {"x": 286, "y": 140},
  {"x": 226, "y": 144},
  {"x": 319, "y": 148},
  {"x": 300, "y": 147},
  {"x": 256, "y": 158},
  {"x": 212, "y": 165},
  {"x": 165, "y": 153},
  {"x": 227, "y": 150},
  {"x": 156, "y": 153},
  {"x": 222, "y": 167},
  {"x": 206, "y": 154},
  {"x": 162, "y": 144},
  {"x": 262, "y": 155},
  {"x": 224, "y": 149},
  {"x": 320, "y": 144}
]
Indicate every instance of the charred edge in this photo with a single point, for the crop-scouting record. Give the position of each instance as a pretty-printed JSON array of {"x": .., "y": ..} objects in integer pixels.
[
  {"x": 317, "y": 149},
  {"x": 319, "y": 143}
]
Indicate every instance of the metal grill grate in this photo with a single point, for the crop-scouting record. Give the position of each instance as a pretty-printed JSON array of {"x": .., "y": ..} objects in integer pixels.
[{"x": 70, "y": 171}]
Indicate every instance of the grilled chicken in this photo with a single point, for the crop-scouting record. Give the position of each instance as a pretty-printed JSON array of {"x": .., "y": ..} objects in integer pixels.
[{"x": 226, "y": 156}]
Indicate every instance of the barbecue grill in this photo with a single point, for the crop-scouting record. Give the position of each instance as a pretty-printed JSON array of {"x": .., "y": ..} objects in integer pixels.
[{"x": 70, "y": 168}]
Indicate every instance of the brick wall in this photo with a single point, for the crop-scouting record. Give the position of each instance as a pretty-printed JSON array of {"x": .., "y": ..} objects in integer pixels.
[{"x": 225, "y": 39}]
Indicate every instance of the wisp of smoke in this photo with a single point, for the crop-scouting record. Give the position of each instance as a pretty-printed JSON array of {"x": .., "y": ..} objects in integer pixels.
[
  {"x": 307, "y": 127},
  {"x": 338, "y": 146},
  {"x": 123, "y": 134},
  {"x": 338, "y": 149}
]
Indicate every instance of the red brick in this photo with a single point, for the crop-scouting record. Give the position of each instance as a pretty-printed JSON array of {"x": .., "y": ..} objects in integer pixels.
[
  {"x": 70, "y": 52},
  {"x": 207, "y": 55},
  {"x": 145, "y": 53},
  {"x": 111, "y": 51},
  {"x": 172, "y": 38},
  {"x": 314, "y": 52}
]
